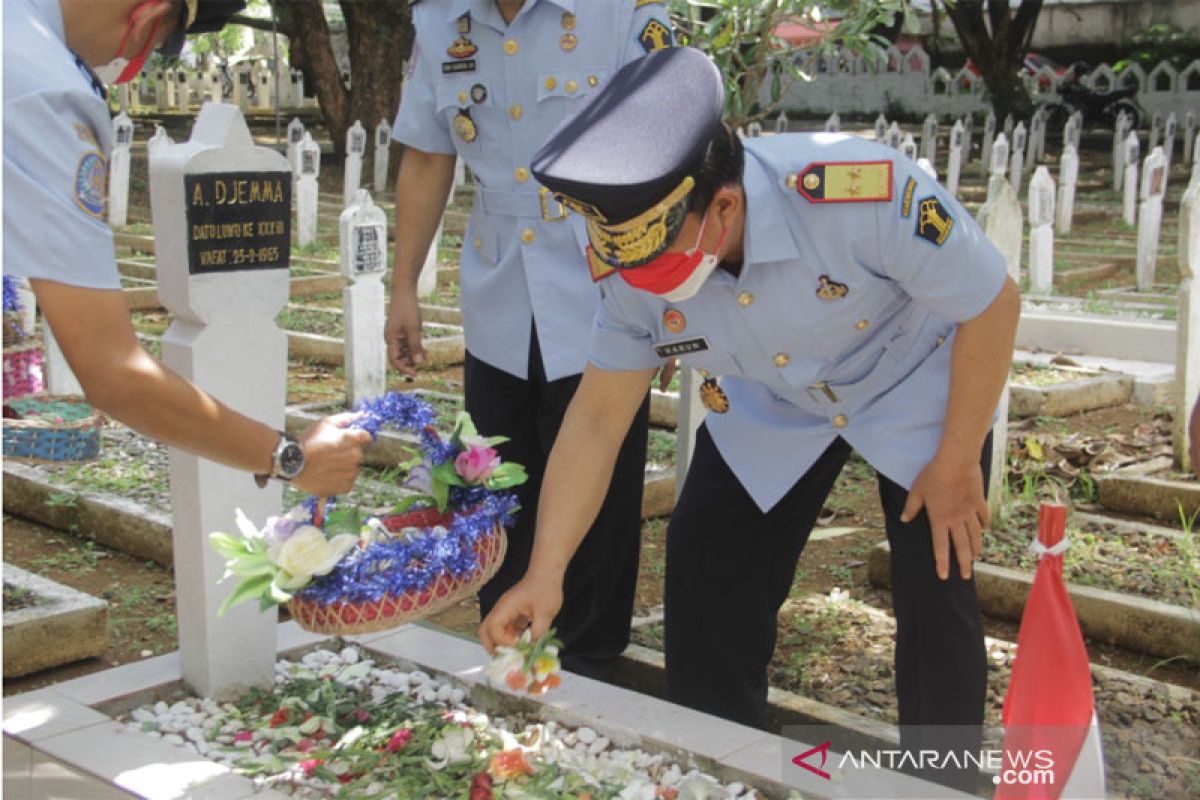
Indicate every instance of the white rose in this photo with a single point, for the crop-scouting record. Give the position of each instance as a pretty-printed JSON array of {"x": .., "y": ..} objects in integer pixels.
[{"x": 307, "y": 553}]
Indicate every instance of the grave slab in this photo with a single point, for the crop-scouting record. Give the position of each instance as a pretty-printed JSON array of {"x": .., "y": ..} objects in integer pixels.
[
  {"x": 1158, "y": 497},
  {"x": 1072, "y": 397},
  {"x": 64, "y": 626}
]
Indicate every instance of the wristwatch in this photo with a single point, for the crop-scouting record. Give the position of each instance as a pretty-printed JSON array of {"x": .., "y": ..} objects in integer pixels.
[{"x": 287, "y": 460}]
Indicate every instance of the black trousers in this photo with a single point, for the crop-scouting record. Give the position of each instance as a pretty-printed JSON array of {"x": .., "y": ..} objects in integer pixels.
[
  {"x": 602, "y": 576},
  {"x": 730, "y": 568}
]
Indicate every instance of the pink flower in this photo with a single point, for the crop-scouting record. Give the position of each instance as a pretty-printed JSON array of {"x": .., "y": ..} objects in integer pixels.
[
  {"x": 398, "y": 740},
  {"x": 309, "y": 765},
  {"x": 477, "y": 463},
  {"x": 361, "y": 715},
  {"x": 243, "y": 736}
]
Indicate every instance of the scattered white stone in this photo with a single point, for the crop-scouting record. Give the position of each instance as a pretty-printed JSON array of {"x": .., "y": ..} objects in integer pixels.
[
  {"x": 349, "y": 655},
  {"x": 586, "y": 735},
  {"x": 161, "y": 708},
  {"x": 142, "y": 715},
  {"x": 173, "y": 738}
]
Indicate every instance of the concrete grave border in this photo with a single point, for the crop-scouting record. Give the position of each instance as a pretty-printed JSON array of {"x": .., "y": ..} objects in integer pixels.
[{"x": 69, "y": 626}]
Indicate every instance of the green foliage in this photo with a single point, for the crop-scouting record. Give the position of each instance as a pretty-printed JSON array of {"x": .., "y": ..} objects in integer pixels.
[
  {"x": 739, "y": 36},
  {"x": 1163, "y": 42}
]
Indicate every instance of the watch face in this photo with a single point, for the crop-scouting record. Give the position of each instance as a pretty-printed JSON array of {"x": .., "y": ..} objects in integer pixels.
[{"x": 291, "y": 460}]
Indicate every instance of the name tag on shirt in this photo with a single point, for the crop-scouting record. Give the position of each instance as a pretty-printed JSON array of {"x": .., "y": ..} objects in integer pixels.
[{"x": 681, "y": 348}]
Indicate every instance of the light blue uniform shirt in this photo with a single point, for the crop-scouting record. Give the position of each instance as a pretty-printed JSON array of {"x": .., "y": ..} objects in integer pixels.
[
  {"x": 57, "y": 136},
  {"x": 527, "y": 77},
  {"x": 871, "y": 365}
]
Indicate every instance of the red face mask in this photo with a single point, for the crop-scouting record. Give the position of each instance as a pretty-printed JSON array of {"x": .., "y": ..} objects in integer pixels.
[
  {"x": 137, "y": 62},
  {"x": 676, "y": 276}
]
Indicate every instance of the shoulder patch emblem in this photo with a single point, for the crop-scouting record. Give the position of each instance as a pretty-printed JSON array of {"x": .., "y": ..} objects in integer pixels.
[
  {"x": 655, "y": 36},
  {"x": 906, "y": 206},
  {"x": 846, "y": 182},
  {"x": 933, "y": 223},
  {"x": 91, "y": 178}
]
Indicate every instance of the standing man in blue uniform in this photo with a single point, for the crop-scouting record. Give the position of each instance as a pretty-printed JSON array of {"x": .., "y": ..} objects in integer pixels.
[
  {"x": 834, "y": 297},
  {"x": 57, "y": 136},
  {"x": 489, "y": 81}
]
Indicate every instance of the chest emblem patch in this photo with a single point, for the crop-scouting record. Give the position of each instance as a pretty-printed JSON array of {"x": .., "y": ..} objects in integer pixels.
[{"x": 831, "y": 290}]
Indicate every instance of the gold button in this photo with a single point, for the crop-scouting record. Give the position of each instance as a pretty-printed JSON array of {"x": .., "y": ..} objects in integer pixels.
[
  {"x": 515, "y": 111},
  {"x": 862, "y": 324},
  {"x": 571, "y": 87},
  {"x": 940, "y": 340},
  {"x": 593, "y": 81},
  {"x": 551, "y": 84},
  {"x": 511, "y": 47},
  {"x": 521, "y": 174},
  {"x": 462, "y": 98},
  {"x": 782, "y": 360},
  {"x": 478, "y": 243},
  {"x": 528, "y": 236},
  {"x": 745, "y": 299},
  {"x": 791, "y": 181},
  {"x": 840, "y": 421}
]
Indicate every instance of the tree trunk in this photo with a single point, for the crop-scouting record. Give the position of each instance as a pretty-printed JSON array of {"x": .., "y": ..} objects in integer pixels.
[
  {"x": 997, "y": 47},
  {"x": 379, "y": 34}
]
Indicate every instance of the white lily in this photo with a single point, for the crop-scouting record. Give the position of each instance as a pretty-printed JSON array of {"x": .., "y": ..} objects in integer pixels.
[
  {"x": 307, "y": 553},
  {"x": 507, "y": 660},
  {"x": 452, "y": 747}
]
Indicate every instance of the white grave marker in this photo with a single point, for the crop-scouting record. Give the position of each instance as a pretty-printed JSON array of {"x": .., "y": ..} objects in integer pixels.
[
  {"x": 364, "y": 260},
  {"x": 56, "y": 372},
  {"x": 297, "y": 87},
  {"x": 1008, "y": 126},
  {"x": 212, "y": 84},
  {"x": 118, "y": 171},
  {"x": 1035, "y": 131},
  {"x": 224, "y": 290},
  {"x": 1156, "y": 125},
  {"x": 929, "y": 132},
  {"x": 161, "y": 97},
  {"x": 1120, "y": 132},
  {"x": 894, "y": 137},
  {"x": 1068, "y": 176},
  {"x": 1041, "y": 231},
  {"x": 295, "y": 138},
  {"x": 1189, "y": 135},
  {"x": 954, "y": 167},
  {"x": 833, "y": 124},
  {"x": 1187, "y": 326},
  {"x": 1169, "y": 139},
  {"x": 754, "y": 129},
  {"x": 997, "y": 169},
  {"x": 383, "y": 145},
  {"x": 1016, "y": 168},
  {"x": 1077, "y": 129},
  {"x": 881, "y": 128},
  {"x": 306, "y": 191},
  {"x": 183, "y": 92},
  {"x": 781, "y": 123},
  {"x": 1129, "y": 206},
  {"x": 989, "y": 138},
  {"x": 968, "y": 123},
  {"x": 909, "y": 147},
  {"x": 1154, "y": 186},
  {"x": 356, "y": 145},
  {"x": 157, "y": 143}
]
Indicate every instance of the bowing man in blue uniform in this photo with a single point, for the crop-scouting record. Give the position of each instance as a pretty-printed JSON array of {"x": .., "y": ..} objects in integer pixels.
[
  {"x": 834, "y": 297},
  {"x": 489, "y": 81}
]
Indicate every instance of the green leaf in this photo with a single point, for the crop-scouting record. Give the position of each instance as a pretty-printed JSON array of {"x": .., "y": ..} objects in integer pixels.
[
  {"x": 228, "y": 547},
  {"x": 343, "y": 519},
  {"x": 251, "y": 566},
  {"x": 251, "y": 587},
  {"x": 507, "y": 475},
  {"x": 441, "y": 495},
  {"x": 408, "y": 502}
]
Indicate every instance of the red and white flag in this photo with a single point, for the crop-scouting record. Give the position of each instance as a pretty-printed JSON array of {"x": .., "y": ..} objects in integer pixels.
[{"x": 1052, "y": 745}]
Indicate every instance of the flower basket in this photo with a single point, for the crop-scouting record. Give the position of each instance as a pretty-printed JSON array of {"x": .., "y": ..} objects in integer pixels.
[
  {"x": 23, "y": 370},
  {"x": 392, "y": 610},
  {"x": 51, "y": 429}
]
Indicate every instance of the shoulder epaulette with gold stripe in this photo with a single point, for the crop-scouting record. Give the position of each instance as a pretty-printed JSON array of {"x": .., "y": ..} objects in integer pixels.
[
  {"x": 844, "y": 182},
  {"x": 598, "y": 268}
]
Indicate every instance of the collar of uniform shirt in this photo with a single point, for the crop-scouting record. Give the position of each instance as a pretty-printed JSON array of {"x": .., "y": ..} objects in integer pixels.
[
  {"x": 767, "y": 235},
  {"x": 482, "y": 9},
  {"x": 50, "y": 13}
]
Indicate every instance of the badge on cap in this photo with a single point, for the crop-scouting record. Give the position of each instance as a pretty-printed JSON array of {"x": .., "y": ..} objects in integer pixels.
[
  {"x": 933, "y": 223},
  {"x": 831, "y": 289},
  {"x": 91, "y": 178},
  {"x": 712, "y": 396},
  {"x": 654, "y": 36},
  {"x": 464, "y": 126},
  {"x": 846, "y": 182},
  {"x": 674, "y": 321}
]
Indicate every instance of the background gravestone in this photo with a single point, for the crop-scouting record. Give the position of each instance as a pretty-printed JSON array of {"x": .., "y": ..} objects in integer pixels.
[
  {"x": 1154, "y": 186},
  {"x": 1189, "y": 135},
  {"x": 295, "y": 138},
  {"x": 118, "y": 171},
  {"x": 356, "y": 145},
  {"x": 989, "y": 138},
  {"x": 1156, "y": 125},
  {"x": 306, "y": 191},
  {"x": 1120, "y": 132},
  {"x": 954, "y": 166},
  {"x": 833, "y": 124},
  {"x": 908, "y": 147},
  {"x": 1016, "y": 169},
  {"x": 363, "y": 228},
  {"x": 781, "y": 123},
  {"x": 221, "y": 209},
  {"x": 383, "y": 144},
  {"x": 1129, "y": 204},
  {"x": 881, "y": 128},
  {"x": 968, "y": 123},
  {"x": 1187, "y": 326},
  {"x": 1068, "y": 175},
  {"x": 1169, "y": 139},
  {"x": 1041, "y": 231},
  {"x": 894, "y": 137},
  {"x": 1036, "y": 127},
  {"x": 929, "y": 132}
]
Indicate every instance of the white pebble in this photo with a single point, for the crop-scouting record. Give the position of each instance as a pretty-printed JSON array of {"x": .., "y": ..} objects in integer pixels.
[
  {"x": 161, "y": 708},
  {"x": 599, "y": 746},
  {"x": 349, "y": 655},
  {"x": 173, "y": 738},
  {"x": 457, "y": 696},
  {"x": 444, "y": 691},
  {"x": 418, "y": 678},
  {"x": 181, "y": 708},
  {"x": 195, "y": 734},
  {"x": 586, "y": 735},
  {"x": 142, "y": 715}
]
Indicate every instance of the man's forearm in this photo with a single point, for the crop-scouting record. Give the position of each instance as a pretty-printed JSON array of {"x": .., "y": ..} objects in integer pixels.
[
  {"x": 979, "y": 369},
  {"x": 422, "y": 187}
]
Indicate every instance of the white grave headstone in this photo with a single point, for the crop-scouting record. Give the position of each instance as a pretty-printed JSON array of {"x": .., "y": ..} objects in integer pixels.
[
  {"x": 1120, "y": 132},
  {"x": 1156, "y": 125},
  {"x": 157, "y": 143},
  {"x": 297, "y": 87},
  {"x": 781, "y": 122},
  {"x": 989, "y": 138},
  {"x": 1077, "y": 129},
  {"x": 954, "y": 167},
  {"x": 427, "y": 279},
  {"x": 929, "y": 132},
  {"x": 1195, "y": 178},
  {"x": 881, "y": 128},
  {"x": 1041, "y": 231},
  {"x": 306, "y": 191},
  {"x": 212, "y": 84},
  {"x": 833, "y": 124},
  {"x": 1008, "y": 126},
  {"x": 894, "y": 136},
  {"x": 1189, "y": 135},
  {"x": 1016, "y": 169},
  {"x": 356, "y": 145},
  {"x": 1187, "y": 326},
  {"x": 1150, "y": 209},
  {"x": 162, "y": 98},
  {"x": 183, "y": 92},
  {"x": 754, "y": 130},
  {"x": 383, "y": 146},
  {"x": 1129, "y": 206},
  {"x": 1169, "y": 138},
  {"x": 56, "y": 372},
  {"x": 927, "y": 167},
  {"x": 295, "y": 138},
  {"x": 224, "y": 291},
  {"x": 968, "y": 123},
  {"x": 363, "y": 229},
  {"x": 118, "y": 171},
  {"x": 909, "y": 147},
  {"x": 997, "y": 170},
  {"x": 1036, "y": 125},
  {"x": 242, "y": 88},
  {"x": 1068, "y": 176}
]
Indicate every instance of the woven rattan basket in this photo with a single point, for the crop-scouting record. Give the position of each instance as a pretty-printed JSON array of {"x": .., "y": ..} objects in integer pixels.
[
  {"x": 393, "y": 610},
  {"x": 51, "y": 429}
]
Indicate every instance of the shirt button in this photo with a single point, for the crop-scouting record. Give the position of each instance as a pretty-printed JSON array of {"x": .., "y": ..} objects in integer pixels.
[
  {"x": 511, "y": 47},
  {"x": 478, "y": 243},
  {"x": 940, "y": 340},
  {"x": 862, "y": 324},
  {"x": 521, "y": 174},
  {"x": 840, "y": 421},
  {"x": 528, "y": 236},
  {"x": 515, "y": 111},
  {"x": 462, "y": 98},
  {"x": 551, "y": 84},
  {"x": 745, "y": 299},
  {"x": 571, "y": 87},
  {"x": 593, "y": 81},
  {"x": 782, "y": 360}
]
